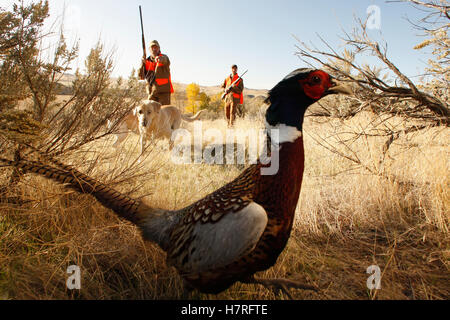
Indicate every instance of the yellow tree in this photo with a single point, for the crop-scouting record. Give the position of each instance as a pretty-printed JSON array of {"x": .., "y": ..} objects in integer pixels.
[
  {"x": 216, "y": 103},
  {"x": 204, "y": 100},
  {"x": 192, "y": 94}
]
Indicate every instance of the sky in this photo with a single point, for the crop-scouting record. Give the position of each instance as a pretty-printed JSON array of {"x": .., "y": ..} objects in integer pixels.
[{"x": 203, "y": 38}]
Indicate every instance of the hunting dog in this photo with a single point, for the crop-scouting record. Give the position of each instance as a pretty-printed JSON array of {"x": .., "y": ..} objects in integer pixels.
[{"x": 150, "y": 118}]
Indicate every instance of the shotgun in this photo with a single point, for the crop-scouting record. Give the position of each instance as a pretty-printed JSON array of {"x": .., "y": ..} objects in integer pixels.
[
  {"x": 143, "y": 36},
  {"x": 143, "y": 72},
  {"x": 228, "y": 90}
]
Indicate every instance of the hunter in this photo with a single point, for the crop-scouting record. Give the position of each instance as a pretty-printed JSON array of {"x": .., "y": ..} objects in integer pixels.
[
  {"x": 156, "y": 70},
  {"x": 235, "y": 97}
]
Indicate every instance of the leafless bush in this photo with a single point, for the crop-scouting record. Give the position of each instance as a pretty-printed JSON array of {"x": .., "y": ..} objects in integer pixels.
[
  {"x": 382, "y": 90},
  {"x": 34, "y": 119}
]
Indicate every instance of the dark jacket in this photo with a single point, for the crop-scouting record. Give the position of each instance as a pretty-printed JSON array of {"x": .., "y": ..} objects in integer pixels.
[
  {"x": 161, "y": 81},
  {"x": 236, "y": 90}
]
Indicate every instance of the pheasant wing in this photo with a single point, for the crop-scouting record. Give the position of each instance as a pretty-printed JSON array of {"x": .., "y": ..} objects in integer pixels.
[{"x": 206, "y": 244}]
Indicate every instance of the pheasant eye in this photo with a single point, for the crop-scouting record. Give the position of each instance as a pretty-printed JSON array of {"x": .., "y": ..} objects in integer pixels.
[{"x": 316, "y": 80}]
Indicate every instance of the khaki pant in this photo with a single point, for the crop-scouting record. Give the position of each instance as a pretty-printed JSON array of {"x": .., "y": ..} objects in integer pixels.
[
  {"x": 163, "y": 98},
  {"x": 230, "y": 111}
]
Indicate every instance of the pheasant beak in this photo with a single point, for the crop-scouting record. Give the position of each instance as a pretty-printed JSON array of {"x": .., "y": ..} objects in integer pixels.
[{"x": 338, "y": 87}]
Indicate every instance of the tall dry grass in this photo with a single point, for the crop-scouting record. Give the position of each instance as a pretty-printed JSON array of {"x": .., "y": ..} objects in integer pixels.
[{"x": 347, "y": 220}]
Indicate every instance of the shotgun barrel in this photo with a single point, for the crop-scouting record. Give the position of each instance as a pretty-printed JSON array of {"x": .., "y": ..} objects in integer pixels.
[{"x": 143, "y": 35}]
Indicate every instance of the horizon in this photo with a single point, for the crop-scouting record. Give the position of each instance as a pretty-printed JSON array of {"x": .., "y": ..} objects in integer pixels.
[
  {"x": 174, "y": 82},
  {"x": 203, "y": 41}
]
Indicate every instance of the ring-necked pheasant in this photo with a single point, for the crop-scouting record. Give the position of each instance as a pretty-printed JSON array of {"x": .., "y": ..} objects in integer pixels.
[{"x": 239, "y": 229}]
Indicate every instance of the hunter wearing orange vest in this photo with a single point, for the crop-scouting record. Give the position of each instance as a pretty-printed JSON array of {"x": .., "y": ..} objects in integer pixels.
[
  {"x": 156, "y": 70},
  {"x": 235, "y": 97}
]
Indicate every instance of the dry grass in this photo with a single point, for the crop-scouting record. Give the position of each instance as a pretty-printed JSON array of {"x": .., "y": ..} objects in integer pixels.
[{"x": 346, "y": 221}]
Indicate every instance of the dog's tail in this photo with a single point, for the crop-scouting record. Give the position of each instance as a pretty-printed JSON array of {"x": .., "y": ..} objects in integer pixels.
[
  {"x": 130, "y": 209},
  {"x": 192, "y": 119}
]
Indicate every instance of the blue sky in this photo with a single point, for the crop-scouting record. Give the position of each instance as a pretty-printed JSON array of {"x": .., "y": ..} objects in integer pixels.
[{"x": 203, "y": 38}]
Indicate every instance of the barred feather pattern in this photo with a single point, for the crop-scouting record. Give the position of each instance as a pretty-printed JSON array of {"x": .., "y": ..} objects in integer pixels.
[{"x": 123, "y": 205}]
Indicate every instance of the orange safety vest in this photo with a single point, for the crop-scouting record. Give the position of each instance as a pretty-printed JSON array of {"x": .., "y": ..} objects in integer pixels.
[
  {"x": 239, "y": 96},
  {"x": 151, "y": 66}
]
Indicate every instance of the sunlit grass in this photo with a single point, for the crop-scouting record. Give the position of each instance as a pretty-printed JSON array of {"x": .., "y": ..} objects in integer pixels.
[{"x": 346, "y": 220}]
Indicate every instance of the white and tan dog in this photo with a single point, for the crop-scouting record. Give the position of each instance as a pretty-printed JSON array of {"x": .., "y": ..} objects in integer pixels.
[{"x": 150, "y": 118}]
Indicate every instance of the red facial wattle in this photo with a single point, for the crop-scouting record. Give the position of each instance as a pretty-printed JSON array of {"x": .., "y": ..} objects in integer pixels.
[{"x": 316, "y": 84}]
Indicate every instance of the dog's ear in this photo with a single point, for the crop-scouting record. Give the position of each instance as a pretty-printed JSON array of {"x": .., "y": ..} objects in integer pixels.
[
  {"x": 157, "y": 106},
  {"x": 135, "y": 111}
]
